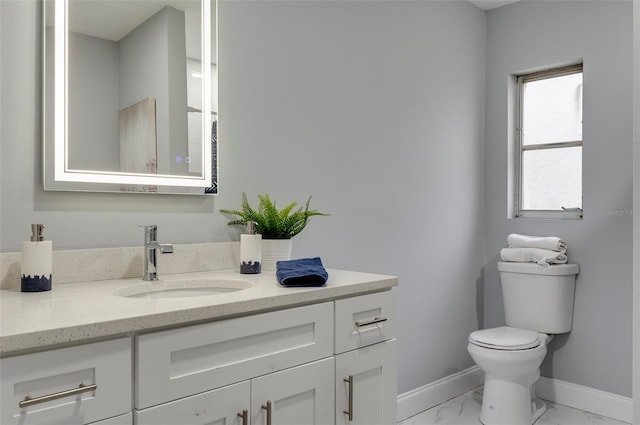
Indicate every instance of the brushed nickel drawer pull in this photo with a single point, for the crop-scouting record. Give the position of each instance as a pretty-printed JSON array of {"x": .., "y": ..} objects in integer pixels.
[
  {"x": 349, "y": 411},
  {"x": 245, "y": 417},
  {"x": 371, "y": 322},
  {"x": 268, "y": 409},
  {"x": 28, "y": 401}
]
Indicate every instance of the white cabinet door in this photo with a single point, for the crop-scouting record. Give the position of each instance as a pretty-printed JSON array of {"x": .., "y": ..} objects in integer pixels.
[
  {"x": 367, "y": 377},
  {"x": 301, "y": 395},
  {"x": 68, "y": 386},
  {"x": 223, "y": 406}
]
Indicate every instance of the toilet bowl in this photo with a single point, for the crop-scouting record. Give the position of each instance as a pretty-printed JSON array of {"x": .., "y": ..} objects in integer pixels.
[
  {"x": 510, "y": 359},
  {"x": 538, "y": 303}
]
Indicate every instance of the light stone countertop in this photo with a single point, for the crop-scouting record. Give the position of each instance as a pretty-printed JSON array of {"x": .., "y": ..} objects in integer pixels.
[{"x": 75, "y": 312}]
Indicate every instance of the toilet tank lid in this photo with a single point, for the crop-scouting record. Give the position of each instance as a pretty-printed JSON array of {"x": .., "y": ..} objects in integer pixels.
[{"x": 533, "y": 268}]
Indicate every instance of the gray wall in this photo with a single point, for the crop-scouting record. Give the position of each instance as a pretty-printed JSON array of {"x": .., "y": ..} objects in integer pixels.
[
  {"x": 93, "y": 96},
  {"x": 521, "y": 37},
  {"x": 361, "y": 104},
  {"x": 375, "y": 108},
  {"x": 636, "y": 207},
  {"x": 152, "y": 63}
]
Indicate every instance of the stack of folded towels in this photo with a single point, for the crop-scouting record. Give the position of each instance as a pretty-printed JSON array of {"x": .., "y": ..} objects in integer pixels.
[{"x": 543, "y": 250}]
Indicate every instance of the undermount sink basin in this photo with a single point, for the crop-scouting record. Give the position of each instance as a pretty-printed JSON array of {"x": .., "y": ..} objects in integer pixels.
[{"x": 182, "y": 288}]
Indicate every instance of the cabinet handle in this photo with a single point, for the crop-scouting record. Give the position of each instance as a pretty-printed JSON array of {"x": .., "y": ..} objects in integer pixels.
[
  {"x": 268, "y": 409},
  {"x": 245, "y": 417},
  {"x": 371, "y": 322},
  {"x": 349, "y": 411},
  {"x": 28, "y": 401}
]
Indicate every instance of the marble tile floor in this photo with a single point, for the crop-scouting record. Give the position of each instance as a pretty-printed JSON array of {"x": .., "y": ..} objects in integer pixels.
[{"x": 464, "y": 410}]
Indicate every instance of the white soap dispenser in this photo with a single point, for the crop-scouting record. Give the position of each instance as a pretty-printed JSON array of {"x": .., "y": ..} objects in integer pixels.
[
  {"x": 250, "y": 250},
  {"x": 37, "y": 262}
]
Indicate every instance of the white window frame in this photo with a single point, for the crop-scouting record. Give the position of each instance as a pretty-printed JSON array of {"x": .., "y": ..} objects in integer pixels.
[{"x": 569, "y": 213}]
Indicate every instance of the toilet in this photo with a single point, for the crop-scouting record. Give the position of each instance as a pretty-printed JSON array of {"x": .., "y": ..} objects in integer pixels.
[{"x": 538, "y": 303}]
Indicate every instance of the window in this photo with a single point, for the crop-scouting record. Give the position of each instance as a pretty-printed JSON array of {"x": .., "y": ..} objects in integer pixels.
[{"x": 549, "y": 137}]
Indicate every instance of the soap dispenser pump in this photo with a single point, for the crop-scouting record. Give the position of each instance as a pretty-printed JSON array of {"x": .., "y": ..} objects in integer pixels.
[
  {"x": 37, "y": 262},
  {"x": 250, "y": 250}
]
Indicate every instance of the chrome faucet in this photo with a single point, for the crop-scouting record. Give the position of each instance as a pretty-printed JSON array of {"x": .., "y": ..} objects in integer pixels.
[{"x": 151, "y": 247}]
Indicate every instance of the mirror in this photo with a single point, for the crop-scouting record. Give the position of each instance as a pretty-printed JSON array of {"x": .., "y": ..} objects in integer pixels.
[{"x": 130, "y": 104}]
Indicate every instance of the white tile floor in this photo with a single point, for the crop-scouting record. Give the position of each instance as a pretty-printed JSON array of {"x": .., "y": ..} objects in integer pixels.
[{"x": 464, "y": 410}]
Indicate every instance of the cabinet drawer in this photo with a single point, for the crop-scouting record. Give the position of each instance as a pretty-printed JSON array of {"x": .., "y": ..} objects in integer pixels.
[
  {"x": 181, "y": 362},
  {"x": 220, "y": 406},
  {"x": 60, "y": 373},
  {"x": 364, "y": 320}
]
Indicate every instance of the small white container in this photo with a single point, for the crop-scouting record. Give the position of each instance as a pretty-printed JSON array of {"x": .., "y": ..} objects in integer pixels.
[
  {"x": 250, "y": 251},
  {"x": 37, "y": 262},
  {"x": 274, "y": 250}
]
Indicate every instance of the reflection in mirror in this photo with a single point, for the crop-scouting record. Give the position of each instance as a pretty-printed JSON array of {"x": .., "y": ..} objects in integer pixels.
[{"x": 129, "y": 105}]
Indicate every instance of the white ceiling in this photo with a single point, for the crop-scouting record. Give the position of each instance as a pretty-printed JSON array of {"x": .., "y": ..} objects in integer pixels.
[
  {"x": 491, "y": 4},
  {"x": 112, "y": 20}
]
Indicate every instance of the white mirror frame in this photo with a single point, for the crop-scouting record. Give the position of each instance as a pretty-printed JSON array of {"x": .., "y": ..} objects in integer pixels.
[{"x": 62, "y": 173}]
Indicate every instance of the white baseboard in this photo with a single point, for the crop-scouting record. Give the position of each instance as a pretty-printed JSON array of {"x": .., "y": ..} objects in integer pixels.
[
  {"x": 576, "y": 396},
  {"x": 611, "y": 405},
  {"x": 415, "y": 401}
]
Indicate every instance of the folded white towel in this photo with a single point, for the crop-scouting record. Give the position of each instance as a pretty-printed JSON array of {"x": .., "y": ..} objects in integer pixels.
[
  {"x": 553, "y": 243},
  {"x": 541, "y": 256}
]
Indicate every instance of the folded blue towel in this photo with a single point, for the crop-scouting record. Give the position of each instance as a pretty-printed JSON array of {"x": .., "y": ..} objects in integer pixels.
[{"x": 301, "y": 272}]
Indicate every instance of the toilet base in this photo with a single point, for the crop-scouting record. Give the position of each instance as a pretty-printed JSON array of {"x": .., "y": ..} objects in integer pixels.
[{"x": 509, "y": 403}]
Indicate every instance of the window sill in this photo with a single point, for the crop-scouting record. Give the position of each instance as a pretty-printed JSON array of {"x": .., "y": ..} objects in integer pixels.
[{"x": 550, "y": 214}]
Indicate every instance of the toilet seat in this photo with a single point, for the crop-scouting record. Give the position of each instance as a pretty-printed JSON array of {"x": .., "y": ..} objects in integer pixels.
[{"x": 505, "y": 338}]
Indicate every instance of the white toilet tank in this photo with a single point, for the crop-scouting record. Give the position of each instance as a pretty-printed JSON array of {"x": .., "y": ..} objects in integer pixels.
[{"x": 538, "y": 298}]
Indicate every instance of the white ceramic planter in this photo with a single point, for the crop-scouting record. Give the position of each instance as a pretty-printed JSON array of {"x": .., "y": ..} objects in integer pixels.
[{"x": 274, "y": 250}]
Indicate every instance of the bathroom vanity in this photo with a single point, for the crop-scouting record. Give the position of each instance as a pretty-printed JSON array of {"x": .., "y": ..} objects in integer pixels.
[{"x": 262, "y": 354}]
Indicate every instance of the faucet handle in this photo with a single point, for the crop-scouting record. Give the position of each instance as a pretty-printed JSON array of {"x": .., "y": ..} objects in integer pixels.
[{"x": 165, "y": 248}]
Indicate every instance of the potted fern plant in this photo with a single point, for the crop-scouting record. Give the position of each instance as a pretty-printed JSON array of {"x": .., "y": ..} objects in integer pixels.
[{"x": 277, "y": 227}]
